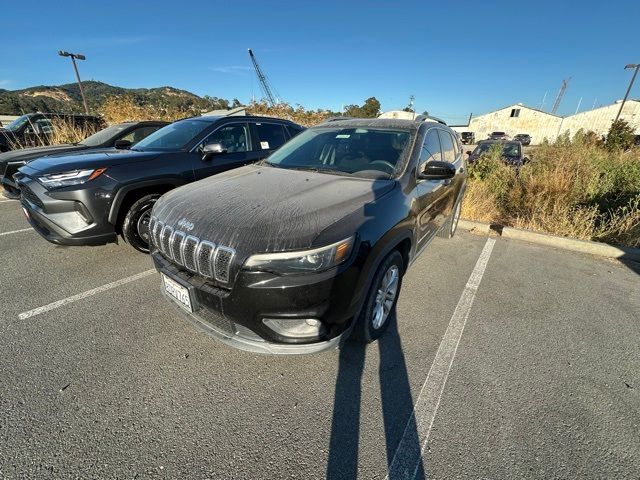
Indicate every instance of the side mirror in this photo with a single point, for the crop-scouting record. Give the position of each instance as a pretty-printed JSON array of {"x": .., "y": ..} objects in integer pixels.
[
  {"x": 211, "y": 150},
  {"x": 436, "y": 170},
  {"x": 122, "y": 144}
]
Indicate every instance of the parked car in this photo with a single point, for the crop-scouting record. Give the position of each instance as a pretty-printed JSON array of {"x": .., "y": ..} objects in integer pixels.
[
  {"x": 122, "y": 135},
  {"x": 511, "y": 152},
  {"x": 294, "y": 254},
  {"x": 468, "y": 138},
  {"x": 523, "y": 138},
  {"x": 90, "y": 198},
  {"x": 35, "y": 129},
  {"x": 498, "y": 136}
]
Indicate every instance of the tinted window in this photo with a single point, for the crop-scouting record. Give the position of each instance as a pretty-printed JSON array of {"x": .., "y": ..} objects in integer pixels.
[
  {"x": 18, "y": 123},
  {"x": 270, "y": 136},
  {"x": 363, "y": 152},
  {"x": 175, "y": 136},
  {"x": 448, "y": 154},
  {"x": 293, "y": 131},
  {"x": 139, "y": 133},
  {"x": 431, "y": 147},
  {"x": 103, "y": 135},
  {"x": 233, "y": 138}
]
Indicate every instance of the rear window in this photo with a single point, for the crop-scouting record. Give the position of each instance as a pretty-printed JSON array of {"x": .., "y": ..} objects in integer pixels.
[{"x": 270, "y": 136}]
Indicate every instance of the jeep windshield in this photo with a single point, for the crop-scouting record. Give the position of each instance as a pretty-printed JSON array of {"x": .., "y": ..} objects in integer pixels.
[
  {"x": 359, "y": 152},
  {"x": 174, "y": 137}
]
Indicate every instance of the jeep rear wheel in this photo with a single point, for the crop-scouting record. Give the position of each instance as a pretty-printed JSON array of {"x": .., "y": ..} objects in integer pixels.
[
  {"x": 135, "y": 227},
  {"x": 379, "y": 307}
]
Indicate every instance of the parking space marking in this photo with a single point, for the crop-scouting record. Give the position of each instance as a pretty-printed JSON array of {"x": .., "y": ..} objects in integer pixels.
[
  {"x": 7, "y": 200},
  {"x": 408, "y": 455},
  {"x": 80, "y": 296},
  {"x": 15, "y": 231}
]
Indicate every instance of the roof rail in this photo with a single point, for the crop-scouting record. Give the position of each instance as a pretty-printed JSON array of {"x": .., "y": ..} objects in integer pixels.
[
  {"x": 429, "y": 118},
  {"x": 337, "y": 119}
]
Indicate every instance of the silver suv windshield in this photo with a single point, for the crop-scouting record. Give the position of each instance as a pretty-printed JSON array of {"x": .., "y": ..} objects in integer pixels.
[{"x": 361, "y": 152}]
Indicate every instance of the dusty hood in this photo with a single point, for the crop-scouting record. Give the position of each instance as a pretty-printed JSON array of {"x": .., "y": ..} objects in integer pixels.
[{"x": 265, "y": 209}]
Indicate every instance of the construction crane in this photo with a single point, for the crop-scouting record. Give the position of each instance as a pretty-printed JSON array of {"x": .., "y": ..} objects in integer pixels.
[
  {"x": 264, "y": 82},
  {"x": 563, "y": 88}
]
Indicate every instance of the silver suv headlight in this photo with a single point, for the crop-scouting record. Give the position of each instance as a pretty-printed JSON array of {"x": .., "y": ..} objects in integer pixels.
[{"x": 301, "y": 261}]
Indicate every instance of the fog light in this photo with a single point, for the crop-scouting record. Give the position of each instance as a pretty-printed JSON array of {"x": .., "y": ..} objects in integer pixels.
[{"x": 295, "y": 328}]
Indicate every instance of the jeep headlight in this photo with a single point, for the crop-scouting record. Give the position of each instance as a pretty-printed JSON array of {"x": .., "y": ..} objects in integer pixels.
[
  {"x": 66, "y": 179},
  {"x": 301, "y": 261}
]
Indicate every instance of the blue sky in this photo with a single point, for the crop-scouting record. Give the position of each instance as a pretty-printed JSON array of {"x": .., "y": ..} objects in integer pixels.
[{"x": 455, "y": 57}]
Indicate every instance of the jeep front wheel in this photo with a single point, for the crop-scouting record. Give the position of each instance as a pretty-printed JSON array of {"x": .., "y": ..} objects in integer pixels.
[
  {"x": 379, "y": 307},
  {"x": 135, "y": 227}
]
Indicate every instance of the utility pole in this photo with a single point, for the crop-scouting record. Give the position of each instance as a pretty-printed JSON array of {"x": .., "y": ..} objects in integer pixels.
[
  {"x": 79, "y": 56},
  {"x": 626, "y": 95}
]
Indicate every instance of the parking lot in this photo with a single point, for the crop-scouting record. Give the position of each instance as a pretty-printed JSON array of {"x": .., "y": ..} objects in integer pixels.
[{"x": 521, "y": 361}]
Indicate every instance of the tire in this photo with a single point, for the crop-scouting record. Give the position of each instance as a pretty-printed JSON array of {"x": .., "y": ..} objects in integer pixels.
[
  {"x": 133, "y": 230},
  {"x": 450, "y": 226},
  {"x": 369, "y": 325}
]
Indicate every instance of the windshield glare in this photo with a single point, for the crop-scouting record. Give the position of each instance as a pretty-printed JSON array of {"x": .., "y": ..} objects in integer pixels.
[
  {"x": 103, "y": 136},
  {"x": 175, "y": 136},
  {"x": 17, "y": 123},
  {"x": 361, "y": 152}
]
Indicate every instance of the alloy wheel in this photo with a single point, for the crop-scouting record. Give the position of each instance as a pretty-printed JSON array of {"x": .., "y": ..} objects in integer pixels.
[{"x": 385, "y": 297}]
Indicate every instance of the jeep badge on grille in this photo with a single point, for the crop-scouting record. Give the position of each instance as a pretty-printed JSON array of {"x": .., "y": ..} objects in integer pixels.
[{"x": 185, "y": 224}]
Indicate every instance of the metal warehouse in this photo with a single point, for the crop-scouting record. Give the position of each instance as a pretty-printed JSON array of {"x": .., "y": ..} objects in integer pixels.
[{"x": 519, "y": 118}]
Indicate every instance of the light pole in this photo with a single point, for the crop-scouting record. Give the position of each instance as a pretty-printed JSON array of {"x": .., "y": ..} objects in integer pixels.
[
  {"x": 79, "y": 56},
  {"x": 626, "y": 95}
]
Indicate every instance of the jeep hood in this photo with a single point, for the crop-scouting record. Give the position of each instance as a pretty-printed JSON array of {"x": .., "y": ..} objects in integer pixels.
[
  {"x": 84, "y": 160},
  {"x": 266, "y": 209}
]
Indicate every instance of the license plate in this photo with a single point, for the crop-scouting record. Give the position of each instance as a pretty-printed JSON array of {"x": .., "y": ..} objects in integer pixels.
[{"x": 177, "y": 292}]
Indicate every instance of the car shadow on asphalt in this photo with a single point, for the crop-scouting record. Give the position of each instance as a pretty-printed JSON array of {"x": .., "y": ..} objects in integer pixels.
[{"x": 396, "y": 399}]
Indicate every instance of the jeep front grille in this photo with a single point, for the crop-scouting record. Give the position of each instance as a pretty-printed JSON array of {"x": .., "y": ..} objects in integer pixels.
[{"x": 199, "y": 256}]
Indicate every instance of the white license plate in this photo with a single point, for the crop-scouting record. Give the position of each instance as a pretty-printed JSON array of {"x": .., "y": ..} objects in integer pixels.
[{"x": 177, "y": 292}]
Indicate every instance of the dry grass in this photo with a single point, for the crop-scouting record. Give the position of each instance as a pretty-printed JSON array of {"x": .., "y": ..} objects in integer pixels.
[
  {"x": 573, "y": 189},
  {"x": 119, "y": 109}
]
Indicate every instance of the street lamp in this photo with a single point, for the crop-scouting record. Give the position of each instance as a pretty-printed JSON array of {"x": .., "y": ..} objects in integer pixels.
[
  {"x": 631, "y": 66},
  {"x": 79, "y": 56}
]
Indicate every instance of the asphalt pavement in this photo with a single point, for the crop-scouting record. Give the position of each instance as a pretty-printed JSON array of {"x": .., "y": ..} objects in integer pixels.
[{"x": 509, "y": 360}]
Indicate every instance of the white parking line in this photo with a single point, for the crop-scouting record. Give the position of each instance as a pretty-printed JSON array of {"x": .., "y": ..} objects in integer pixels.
[
  {"x": 7, "y": 200},
  {"x": 80, "y": 296},
  {"x": 15, "y": 231},
  {"x": 408, "y": 455}
]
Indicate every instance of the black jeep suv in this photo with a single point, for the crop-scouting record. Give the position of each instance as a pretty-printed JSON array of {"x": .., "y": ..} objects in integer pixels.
[
  {"x": 91, "y": 197},
  {"x": 293, "y": 254},
  {"x": 122, "y": 135},
  {"x": 36, "y": 128}
]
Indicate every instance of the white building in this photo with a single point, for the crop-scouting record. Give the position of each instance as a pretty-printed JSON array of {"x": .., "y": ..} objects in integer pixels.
[{"x": 519, "y": 118}]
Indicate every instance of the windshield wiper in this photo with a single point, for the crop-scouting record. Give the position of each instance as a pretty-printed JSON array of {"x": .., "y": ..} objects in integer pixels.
[{"x": 330, "y": 171}]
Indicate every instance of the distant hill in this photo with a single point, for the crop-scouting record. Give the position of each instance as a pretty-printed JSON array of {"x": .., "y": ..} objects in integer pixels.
[{"x": 67, "y": 99}]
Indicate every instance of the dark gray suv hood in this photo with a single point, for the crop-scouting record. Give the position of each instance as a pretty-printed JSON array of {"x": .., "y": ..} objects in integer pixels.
[{"x": 265, "y": 209}]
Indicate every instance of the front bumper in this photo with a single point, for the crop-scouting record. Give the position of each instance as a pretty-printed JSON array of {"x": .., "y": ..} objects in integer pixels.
[
  {"x": 235, "y": 316},
  {"x": 71, "y": 217}
]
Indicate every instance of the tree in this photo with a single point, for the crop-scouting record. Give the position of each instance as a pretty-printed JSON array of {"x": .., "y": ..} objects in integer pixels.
[
  {"x": 620, "y": 136},
  {"x": 370, "y": 109}
]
